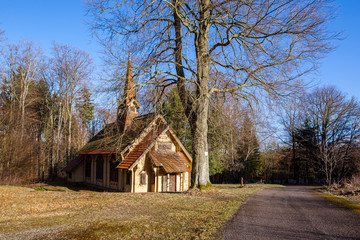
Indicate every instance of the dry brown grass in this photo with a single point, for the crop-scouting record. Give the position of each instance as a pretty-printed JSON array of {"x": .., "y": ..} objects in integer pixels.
[
  {"x": 348, "y": 190},
  {"x": 347, "y": 193},
  {"x": 64, "y": 214}
]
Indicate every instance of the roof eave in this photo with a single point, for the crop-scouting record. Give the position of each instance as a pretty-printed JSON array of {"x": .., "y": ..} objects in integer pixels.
[
  {"x": 147, "y": 149},
  {"x": 99, "y": 152},
  {"x": 143, "y": 131}
]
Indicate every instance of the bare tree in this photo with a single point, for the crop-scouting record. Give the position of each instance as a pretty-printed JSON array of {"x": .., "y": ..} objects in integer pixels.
[
  {"x": 38, "y": 109},
  {"x": 22, "y": 60},
  {"x": 257, "y": 44},
  {"x": 71, "y": 68},
  {"x": 19, "y": 121},
  {"x": 335, "y": 121},
  {"x": 291, "y": 117}
]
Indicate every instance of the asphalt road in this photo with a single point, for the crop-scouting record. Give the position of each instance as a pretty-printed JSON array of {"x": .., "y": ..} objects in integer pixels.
[{"x": 293, "y": 212}]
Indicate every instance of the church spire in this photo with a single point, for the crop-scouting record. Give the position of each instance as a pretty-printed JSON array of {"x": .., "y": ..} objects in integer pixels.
[
  {"x": 128, "y": 107},
  {"x": 129, "y": 91}
]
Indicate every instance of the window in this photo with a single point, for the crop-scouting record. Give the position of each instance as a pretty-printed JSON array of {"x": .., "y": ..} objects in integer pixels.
[
  {"x": 143, "y": 178},
  {"x": 114, "y": 172},
  {"x": 88, "y": 167},
  {"x": 99, "y": 167}
]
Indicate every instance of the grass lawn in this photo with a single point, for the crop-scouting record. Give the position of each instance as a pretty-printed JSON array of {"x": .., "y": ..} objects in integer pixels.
[{"x": 60, "y": 213}]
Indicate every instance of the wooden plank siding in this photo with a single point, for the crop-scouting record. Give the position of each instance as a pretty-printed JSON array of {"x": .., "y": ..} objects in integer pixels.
[{"x": 156, "y": 179}]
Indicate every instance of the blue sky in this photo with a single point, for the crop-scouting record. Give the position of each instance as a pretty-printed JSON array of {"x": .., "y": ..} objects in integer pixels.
[
  {"x": 342, "y": 66},
  {"x": 45, "y": 21}
]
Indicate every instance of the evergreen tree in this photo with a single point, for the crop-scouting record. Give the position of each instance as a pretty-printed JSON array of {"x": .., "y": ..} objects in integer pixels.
[
  {"x": 175, "y": 116},
  {"x": 217, "y": 139},
  {"x": 85, "y": 106},
  {"x": 308, "y": 163},
  {"x": 254, "y": 164},
  {"x": 248, "y": 150}
]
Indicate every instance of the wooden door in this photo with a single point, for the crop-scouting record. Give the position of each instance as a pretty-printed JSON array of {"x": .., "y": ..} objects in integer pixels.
[
  {"x": 172, "y": 183},
  {"x": 151, "y": 182}
]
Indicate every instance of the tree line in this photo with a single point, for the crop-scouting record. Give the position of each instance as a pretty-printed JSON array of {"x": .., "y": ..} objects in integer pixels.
[
  {"x": 206, "y": 65},
  {"x": 320, "y": 142},
  {"x": 47, "y": 114},
  {"x": 46, "y": 109},
  {"x": 322, "y": 136}
]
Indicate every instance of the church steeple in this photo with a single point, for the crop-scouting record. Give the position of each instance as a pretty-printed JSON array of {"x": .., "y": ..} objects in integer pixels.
[
  {"x": 128, "y": 107},
  {"x": 129, "y": 91}
]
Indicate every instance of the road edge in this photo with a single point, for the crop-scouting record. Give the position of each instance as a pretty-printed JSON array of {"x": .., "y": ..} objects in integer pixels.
[
  {"x": 353, "y": 206},
  {"x": 220, "y": 232}
]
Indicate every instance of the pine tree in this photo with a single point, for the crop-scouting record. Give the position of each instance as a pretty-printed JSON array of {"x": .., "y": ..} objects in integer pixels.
[
  {"x": 254, "y": 165},
  {"x": 175, "y": 116},
  {"x": 85, "y": 106},
  {"x": 249, "y": 151}
]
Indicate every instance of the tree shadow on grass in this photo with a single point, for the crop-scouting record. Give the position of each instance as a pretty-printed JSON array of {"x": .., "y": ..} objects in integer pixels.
[{"x": 63, "y": 186}]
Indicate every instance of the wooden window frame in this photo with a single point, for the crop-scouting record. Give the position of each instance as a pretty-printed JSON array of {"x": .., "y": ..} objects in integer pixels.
[{"x": 143, "y": 178}]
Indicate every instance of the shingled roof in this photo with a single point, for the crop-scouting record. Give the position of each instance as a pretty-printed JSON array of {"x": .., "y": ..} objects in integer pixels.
[
  {"x": 76, "y": 161},
  {"x": 112, "y": 140},
  {"x": 141, "y": 148},
  {"x": 172, "y": 162}
]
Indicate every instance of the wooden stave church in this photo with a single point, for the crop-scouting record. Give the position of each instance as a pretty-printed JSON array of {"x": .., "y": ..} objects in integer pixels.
[{"x": 133, "y": 154}]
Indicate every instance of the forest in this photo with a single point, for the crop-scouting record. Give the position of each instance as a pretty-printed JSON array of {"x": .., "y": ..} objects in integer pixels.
[{"x": 280, "y": 130}]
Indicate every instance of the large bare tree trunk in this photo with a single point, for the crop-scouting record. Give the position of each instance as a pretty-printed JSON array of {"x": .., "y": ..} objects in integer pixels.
[
  {"x": 197, "y": 113},
  {"x": 200, "y": 170},
  {"x": 183, "y": 92},
  {"x": 189, "y": 108}
]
